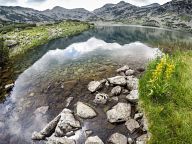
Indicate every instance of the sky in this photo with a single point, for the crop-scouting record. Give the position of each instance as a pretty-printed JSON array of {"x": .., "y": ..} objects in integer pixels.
[{"x": 87, "y": 4}]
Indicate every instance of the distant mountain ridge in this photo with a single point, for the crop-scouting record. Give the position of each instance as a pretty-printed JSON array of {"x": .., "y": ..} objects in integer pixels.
[{"x": 175, "y": 12}]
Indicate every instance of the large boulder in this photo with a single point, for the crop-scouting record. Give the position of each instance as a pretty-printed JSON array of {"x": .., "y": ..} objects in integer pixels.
[
  {"x": 119, "y": 113},
  {"x": 117, "y": 138},
  {"x": 101, "y": 98},
  {"x": 118, "y": 80},
  {"x": 67, "y": 123},
  {"x": 132, "y": 83},
  {"x": 132, "y": 125},
  {"x": 116, "y": 91},
  {"x": 94, "y": 140},
  {"x": 133, "y": 96},
  {"x": 84, "y": 111}
]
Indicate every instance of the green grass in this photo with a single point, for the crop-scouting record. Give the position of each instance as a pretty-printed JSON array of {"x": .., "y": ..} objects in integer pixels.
[
  {"x": 30, "y": 38},
  {"x": 170, "y": 113}
]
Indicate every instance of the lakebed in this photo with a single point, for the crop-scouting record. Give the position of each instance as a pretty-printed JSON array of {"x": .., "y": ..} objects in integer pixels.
[{"x": 64, "y": 67}]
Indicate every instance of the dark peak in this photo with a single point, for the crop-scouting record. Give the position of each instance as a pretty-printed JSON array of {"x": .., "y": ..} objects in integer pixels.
[{"x": 122, "y": 2}]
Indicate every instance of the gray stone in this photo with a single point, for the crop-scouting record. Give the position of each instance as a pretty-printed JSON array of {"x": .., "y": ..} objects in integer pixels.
[
  {"x": 58, "y": 140},
  {"x": 9, "y": 87},
  {"x": 132, "y": 125},
  {"x": 101, "y": 98},
  {"x": 123, "y": 69},
  {"x": 37, "y": 136},
  {"x": 118, "y": 80},
  {"x": 118, "y": 138},
  {"x": 88, "y": 132},
  {"x": 116, "y": 91},
  {"x": 130, "y": 140},
  {"x": 93, "y": 86},
  {"x": 68, "y": 101},
  {"x": 84, "y": 111},
  {"x": 143, "y": 139},
  {"x": 119, "y": 113},
  {"x": 138, "y": 116},
  {"x": 129, "y": 72},
  {"x": 132, "y": 83},
  {"x": 94, "y": 140},
  {"x": 133, "y": 96},
  {"x": 67, "y": 123},
  {"x": 71, "y": 133},
  {"x": 11, "y": 43},
  {"x": 144, "y": 123},
  {"x": 49, "y": 128},
  {"x": 115, "y": 99}
]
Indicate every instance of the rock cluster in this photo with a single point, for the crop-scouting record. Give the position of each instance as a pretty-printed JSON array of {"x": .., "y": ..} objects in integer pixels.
[{"x": 124, "y": 91}]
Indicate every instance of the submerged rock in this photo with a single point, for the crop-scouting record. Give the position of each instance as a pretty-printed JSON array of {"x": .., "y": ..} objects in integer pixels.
[
  {"x": 133, "y": 96},
  {"x": 123, "y": 69},
  {"x": 84, "y": 111},
  {"x": 58, "y": 140},
  {"x": 129, "y": 72},
  {"x": 117, "y": 138},
  {"x": 132, "y": 125},
  {"x": 116, "y": 91},
  {"x": 119, "y": 113},
  {"x": 101, "y": 98},
  {"x": 41, "y": 110},
  {"x": 118, "y": 80},
  {"x": 93, "y": 86},
  {"x": 132, "y": 83},
  {"x": 67, "y": 123},
  {"x": 94, "y": 140}
]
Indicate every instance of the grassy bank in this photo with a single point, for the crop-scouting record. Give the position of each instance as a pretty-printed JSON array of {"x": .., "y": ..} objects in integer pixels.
[
  {"x": 166, "y": 96},
  {"x": 31, "y": 37}
]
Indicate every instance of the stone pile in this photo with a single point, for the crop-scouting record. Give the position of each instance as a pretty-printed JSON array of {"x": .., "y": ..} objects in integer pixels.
[{"x": 123, "y": 112}]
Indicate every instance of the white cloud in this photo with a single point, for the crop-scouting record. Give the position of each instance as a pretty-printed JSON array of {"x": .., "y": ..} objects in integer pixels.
[{"x": 87, "y": 4}]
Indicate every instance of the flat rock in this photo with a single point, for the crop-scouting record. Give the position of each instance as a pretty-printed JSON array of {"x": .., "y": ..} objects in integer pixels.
[
  {"x": 129, "y": 72},
  {"x": 93, "y": 86},
  {"x": 117, "y": 138},
  {"x": 116, "y": 91},
  {"x": 123, "y": 69},
  {"x": 94, "y": 140},
  {"x": 58, "y": 140},
  {"x": 132, "y": 83},
  {"x": 132, "y": 125},
  {"x": 118, "y": 80},
  {"x": 101, "y": 98},
  {"x": 119, "y": 113},
  {"x": 133, "y": 96},
  {"x": 84, "y": 111},
  {"x": 67, "y": 123}
]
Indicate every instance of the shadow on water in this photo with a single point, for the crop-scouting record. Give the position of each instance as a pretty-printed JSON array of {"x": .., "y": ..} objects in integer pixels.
[{"x": 57, "y": 74}]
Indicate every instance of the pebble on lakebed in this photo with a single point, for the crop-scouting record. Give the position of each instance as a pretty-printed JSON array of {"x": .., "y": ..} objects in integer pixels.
[{"x": 123, "y": 112}]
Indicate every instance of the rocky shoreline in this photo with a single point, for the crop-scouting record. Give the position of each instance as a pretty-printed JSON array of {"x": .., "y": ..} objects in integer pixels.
[{"x": 123, "y": 90}]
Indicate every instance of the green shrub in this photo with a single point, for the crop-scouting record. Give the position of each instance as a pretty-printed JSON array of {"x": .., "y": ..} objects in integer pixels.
[{"x": 4, "y": 53}]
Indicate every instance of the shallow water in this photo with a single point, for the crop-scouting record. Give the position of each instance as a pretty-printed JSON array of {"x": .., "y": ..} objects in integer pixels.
[{"x": 66, "y": 71}]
